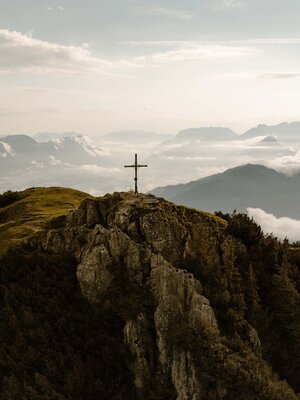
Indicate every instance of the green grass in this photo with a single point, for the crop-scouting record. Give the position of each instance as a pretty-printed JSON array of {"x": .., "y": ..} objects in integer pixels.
[{"x": 33, "y": 213}]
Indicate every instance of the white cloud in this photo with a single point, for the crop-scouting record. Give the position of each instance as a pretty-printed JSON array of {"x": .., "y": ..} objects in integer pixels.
[
  {"x": 19, "y": 52},
  {"x": 280, "y": 75},
  {"x": 191, "y": 51},
  {"x": 97, "y": 170},
  {"x": 37, "y": 164},
  {"x": 226, "y": 4},
  {"x": 4, "y": 112},
  {"x": 53, "y": 162},
  {"x": 50, "y": 8},
  {"x": 289, "y": 41},
  {"x": 289, "y": 164},
  {"x": 87, "y": 145},
  {"x": 190, "y": 158},
  {"x": 165, "y": 12},
  {"x": 155, "y": 43},
  {"x": 281, "y": 227},
  {"x": 172, "y": 51},
  {"x": 8, "y": 149},
  {"x": 273, "y": 41}
]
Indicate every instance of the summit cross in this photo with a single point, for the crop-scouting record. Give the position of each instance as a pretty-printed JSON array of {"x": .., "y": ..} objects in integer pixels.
[{"x": 135, "y": 166}]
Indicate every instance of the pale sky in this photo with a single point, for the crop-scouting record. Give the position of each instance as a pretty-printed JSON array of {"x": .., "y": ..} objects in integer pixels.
[{"x": 95, "y": 66}]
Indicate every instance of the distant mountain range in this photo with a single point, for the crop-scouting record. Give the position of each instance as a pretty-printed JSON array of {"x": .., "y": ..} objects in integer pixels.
[
  {"x": 24, "y": 150},
  {"x": 47, "y": 136},
  {"x": 135, "y": 137},
  {"x": 238, "y": 188},
  {"x": 284, "y": 132},
  {"x": 95, "y": 164},
  {"x": 206, "y": 134},
  {"x": 64, "y": 161}
]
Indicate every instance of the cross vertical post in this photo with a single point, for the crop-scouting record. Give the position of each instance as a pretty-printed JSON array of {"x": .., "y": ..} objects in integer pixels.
[
  {"x": 135, "y": 175},
  {"x": 135, "y": 166}
]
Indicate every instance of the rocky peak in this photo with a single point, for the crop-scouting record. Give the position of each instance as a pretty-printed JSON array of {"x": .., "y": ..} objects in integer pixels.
[{"x": 164, "y": 268}]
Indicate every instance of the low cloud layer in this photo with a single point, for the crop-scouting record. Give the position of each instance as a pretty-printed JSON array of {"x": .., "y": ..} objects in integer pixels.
[
  {"x": 289, "y": 164},
  {"x": 280, "y": 227}
]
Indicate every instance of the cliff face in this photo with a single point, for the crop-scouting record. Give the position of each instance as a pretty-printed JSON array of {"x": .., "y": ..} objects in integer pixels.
[{"x": 170, "y": 273}]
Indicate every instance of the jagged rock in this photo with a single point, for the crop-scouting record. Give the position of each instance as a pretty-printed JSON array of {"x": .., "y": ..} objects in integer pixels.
[
  {"x": 138, "y": 338},
  {"x": 135, "y": 236},
  {"x": 145, "y": 257}
]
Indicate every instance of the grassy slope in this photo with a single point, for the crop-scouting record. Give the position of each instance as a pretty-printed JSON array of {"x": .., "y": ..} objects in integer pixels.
[{"x": 32, "y": 213}]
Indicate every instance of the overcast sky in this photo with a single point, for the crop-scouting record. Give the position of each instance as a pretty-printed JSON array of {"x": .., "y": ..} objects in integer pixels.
[{"x": 94, "y": 66}]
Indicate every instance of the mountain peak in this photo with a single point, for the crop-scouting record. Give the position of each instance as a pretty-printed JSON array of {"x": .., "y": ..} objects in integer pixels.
[
  {"x": 168, "y": 289},
  {"x": 253, "y": 169},
  {"x": 269, "y": 140},
  {"x": 283, "y": 131},
  {"x": 21, "y": 138},
  {"x": 249, "y": 185}
]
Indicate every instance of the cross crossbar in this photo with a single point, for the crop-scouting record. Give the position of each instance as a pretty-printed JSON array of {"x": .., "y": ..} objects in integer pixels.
[{"x": 135, "y": 166}]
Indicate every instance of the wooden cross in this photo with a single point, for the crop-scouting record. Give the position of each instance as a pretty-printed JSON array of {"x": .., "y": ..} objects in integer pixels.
[{"x": 135, "y": 166}]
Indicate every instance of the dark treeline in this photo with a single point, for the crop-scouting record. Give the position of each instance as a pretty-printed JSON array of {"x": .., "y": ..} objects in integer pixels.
[
  {"x": 54, "y": 345},
  {"x": 269, "y": 274},
  {"x": 9, "y": 197}
]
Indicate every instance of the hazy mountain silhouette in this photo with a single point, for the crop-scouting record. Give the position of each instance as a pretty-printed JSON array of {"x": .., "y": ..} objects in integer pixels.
[
  {"x": 269, "y": 141},
  {"x": 206, "y": 134},
  {"x": 69, "y": 161},
  {"x": 238, "y": 188},
  {"x": 135, "y": 136},
  {"x": 46, "y": 136},
  {"x": 74, "y": 150},
  {"x": 284, "y": 131}
]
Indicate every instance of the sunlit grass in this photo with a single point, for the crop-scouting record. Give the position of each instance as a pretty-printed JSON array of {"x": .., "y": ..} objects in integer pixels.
[{"x": 33, "y": 212}]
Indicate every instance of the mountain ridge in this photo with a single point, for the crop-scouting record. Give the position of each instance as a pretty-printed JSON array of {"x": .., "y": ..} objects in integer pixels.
[
  {"x": 95, "y": 164},
  {"x": 282, "y": 130},
  {"x": 206, "y": 134},
  {"x": 238, "y": 188}
]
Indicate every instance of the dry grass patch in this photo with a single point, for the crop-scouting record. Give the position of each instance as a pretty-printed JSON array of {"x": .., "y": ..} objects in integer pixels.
[{"x": 34, "y": 211}]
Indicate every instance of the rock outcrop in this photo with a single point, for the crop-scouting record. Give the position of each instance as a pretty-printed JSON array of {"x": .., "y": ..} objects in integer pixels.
[{"x": 156, "y": 264}]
